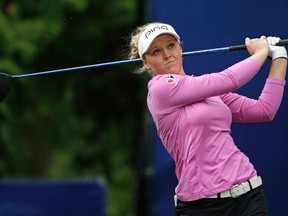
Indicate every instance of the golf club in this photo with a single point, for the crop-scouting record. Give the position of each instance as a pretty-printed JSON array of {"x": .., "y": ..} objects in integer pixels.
[{"x": 6, "y": 79}]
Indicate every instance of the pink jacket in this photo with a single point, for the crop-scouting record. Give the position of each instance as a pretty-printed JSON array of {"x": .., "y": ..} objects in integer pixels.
[{"x": 193, "y": 116}]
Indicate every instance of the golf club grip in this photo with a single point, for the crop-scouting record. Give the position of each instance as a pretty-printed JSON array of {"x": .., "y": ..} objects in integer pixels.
[{"x": 243, "y": 47}]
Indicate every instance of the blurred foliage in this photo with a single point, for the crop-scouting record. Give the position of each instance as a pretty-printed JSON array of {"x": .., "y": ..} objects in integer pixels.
[{"x": 84, "y": 124}]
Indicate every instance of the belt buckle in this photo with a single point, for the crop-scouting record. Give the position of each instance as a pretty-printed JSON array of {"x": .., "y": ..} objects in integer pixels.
[{"x": 237, "y": 190}]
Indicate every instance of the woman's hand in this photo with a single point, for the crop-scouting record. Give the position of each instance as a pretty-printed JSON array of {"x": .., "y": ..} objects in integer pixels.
[
  {"x": 258, "y": 48},
  {"x": 274, "y": 50},
  {"x": 278, "y": 54}
]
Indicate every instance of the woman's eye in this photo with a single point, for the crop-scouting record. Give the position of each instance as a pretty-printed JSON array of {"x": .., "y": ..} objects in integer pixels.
[
  {"x": 157, "y": 51},
  {"x": 171, "y": 45}
]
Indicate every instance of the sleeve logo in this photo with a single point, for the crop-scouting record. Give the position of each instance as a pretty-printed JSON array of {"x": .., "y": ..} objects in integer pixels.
[{"x": 170, "y": 79}]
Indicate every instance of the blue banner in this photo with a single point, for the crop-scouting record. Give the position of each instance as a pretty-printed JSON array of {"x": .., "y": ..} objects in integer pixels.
[{"x": 212, "y": 24}]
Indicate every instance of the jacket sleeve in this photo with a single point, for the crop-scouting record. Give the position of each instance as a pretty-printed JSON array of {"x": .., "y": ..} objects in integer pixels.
[
  {"x": 263, "y": 109},
  {"x": 170, "y": 91}
]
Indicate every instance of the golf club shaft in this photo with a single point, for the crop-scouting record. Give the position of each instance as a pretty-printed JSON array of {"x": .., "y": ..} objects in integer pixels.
[{"x": 197, "y": 52}]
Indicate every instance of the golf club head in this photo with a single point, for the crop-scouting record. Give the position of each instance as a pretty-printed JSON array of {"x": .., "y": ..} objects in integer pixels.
[{"x": 5, "y": 85}]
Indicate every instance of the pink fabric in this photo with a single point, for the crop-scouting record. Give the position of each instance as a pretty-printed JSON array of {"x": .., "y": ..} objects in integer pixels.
[{"x": 193, "y": 116}]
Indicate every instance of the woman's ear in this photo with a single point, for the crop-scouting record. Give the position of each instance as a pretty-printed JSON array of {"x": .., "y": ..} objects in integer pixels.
[{"x": 145, "y": 64}]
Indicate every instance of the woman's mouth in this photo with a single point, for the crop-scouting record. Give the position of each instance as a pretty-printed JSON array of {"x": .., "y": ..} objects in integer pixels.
[{"x": 169, "y": 62}]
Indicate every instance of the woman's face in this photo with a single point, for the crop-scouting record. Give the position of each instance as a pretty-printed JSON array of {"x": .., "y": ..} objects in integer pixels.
[{"x": 164, "y": 56}]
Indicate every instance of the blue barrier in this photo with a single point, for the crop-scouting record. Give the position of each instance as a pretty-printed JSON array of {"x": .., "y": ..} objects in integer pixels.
[{"x": 52, "y": 197}]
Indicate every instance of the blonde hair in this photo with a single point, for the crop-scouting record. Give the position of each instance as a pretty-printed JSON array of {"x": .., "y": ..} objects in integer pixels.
[{"x": 134, "y": 46}]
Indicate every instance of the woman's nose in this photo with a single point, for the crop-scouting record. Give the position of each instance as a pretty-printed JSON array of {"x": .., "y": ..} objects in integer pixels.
[{"x": 166, "y": 53}]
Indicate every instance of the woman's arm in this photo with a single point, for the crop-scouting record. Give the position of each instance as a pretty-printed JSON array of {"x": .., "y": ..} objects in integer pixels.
[
  {"x": 185, "y": 90},
  {"x": 278, "y": 68},
  {"x": 278, "y": 54},
  {"x": 265, "y": 108},
  {"x": 258, "y": 48}
]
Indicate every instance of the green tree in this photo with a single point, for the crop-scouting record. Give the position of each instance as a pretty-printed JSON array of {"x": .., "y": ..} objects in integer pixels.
[{"x": 80, "y": 125}]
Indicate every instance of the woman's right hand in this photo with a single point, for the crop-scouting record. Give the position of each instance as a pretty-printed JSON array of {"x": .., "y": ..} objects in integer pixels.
[{"x": 258, "y": 48}]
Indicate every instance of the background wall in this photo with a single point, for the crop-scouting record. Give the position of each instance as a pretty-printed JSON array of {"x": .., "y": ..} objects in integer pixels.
[{"x": 210, "y": 24}]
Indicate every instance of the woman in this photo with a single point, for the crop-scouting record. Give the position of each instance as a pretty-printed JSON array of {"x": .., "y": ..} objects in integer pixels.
[{"x": 193, "y": 116}]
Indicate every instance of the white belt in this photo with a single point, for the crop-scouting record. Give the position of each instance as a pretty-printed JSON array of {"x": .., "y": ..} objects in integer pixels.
[
  {"x": 236, "y": 190},
  {"x": 239, "y": 189}
]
